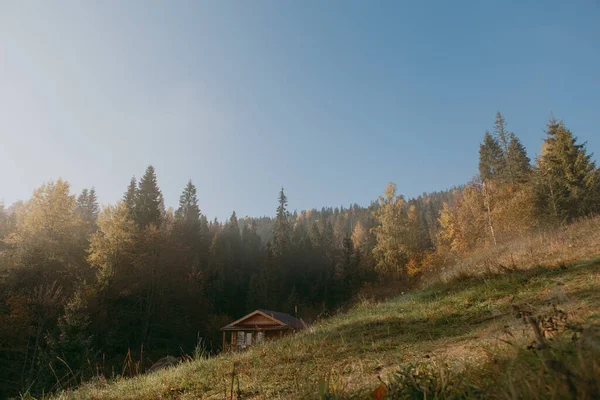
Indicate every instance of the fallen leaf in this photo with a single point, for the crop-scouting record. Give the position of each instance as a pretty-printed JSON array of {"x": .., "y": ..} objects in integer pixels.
[{"x": 380, "y": 392}]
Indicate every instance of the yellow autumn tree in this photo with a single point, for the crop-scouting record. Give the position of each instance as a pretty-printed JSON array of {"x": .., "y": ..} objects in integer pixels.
[
  {"x": 464, "y": 225},
  {"x": 111, "y": 246},
  {"x": 48, "y": 225},
  {"x": 359, "y": 235},
  {"x": 391, "y": 251},
  {"x": 514, "y": 211},
  {"x": 447, "y": 231}
]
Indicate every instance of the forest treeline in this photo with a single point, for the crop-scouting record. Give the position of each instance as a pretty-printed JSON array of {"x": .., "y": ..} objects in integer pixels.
[{"x": 83, "y": 289}]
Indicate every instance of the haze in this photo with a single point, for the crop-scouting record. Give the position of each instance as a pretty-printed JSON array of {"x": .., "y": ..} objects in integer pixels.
[{"x": 329, "y": 99}]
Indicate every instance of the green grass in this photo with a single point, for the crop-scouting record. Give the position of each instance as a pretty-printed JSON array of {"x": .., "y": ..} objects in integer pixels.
[{"x": 450, "y": 340}]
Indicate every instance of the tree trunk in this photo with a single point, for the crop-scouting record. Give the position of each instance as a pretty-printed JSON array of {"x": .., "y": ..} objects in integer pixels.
[{"x": 489, "y": 212}]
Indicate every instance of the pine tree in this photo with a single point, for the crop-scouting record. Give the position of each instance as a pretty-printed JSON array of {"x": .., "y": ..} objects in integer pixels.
[
  {"x": 188, "y": 212},
  {"x": 189, "y": 230},
  {"x": 502, "y": 136},
  {"x": 87, "y": 206},
  {"x": 503, "y": 162},
  {"x": 517, "y": 159},
  {"x": 149, "y": 206},
  {"x": 232, "y": 230},
  {"x": 566, "y": 177},
  {"x": 491, "y": 159},
  {"x": 82, "y": 201},
  {"x": 281, "y": 229},
  {"x": 514, "y": 165},
  {"x": 130, "y": 198}
]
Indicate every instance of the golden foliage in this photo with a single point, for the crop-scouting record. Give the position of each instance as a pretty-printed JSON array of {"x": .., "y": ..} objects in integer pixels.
[
  {"x": 413, "y": 267},
  {"x": 514, "y": 210},
  {"x": 48, "y": 222},
  {"x": 359, "y": 235},
  {"x": 391, "y": 250},
  {"x": 466, "y": 225},
  {"x": 463, "y": 226},
  {"x": 113, "y": 241}
]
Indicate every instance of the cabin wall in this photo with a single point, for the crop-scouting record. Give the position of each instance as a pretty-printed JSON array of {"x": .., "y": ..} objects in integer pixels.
[
  {"x": 257, "y": 319},
  {"x": 240, "y": 339}
]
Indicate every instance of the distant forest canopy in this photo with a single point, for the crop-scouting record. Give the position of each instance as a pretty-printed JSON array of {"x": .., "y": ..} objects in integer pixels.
[{"x": 83, "y": 289}]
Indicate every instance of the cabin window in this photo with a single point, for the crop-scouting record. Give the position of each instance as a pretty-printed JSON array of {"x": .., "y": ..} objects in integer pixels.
[
  {"x": 244, "y": 339},
  {"x": 240, "y": 339},
  {"x": 260, "y": 337}
]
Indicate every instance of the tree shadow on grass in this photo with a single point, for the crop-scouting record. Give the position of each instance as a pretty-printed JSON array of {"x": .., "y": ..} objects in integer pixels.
[
  {"x": 409, "y": 330},
  {"x": 442, "y": 322}
]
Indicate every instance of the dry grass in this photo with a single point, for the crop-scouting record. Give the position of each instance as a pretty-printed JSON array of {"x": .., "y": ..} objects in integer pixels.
[
  {"x": 458, "y": 329},
  {"x": 577, "y": 241},
  {"x": 466, "y": 326}
]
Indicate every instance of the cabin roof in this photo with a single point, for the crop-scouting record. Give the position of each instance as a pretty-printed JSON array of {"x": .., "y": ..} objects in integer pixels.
[{"x": 280, "y": 321}]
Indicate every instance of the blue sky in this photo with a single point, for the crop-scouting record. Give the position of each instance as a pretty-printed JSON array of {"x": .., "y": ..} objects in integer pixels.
[{"x": 331, "y": 99}]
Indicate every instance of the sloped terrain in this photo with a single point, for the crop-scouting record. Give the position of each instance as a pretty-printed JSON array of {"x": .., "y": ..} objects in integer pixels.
[{"x": 471, "y": 337}]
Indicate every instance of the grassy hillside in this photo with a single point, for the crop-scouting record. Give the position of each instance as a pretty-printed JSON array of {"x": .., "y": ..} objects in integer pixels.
[{"x": 470, "y": 337}]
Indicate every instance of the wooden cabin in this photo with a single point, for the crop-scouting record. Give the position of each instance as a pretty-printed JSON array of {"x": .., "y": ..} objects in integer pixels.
[{"x": 258, "y": 326}]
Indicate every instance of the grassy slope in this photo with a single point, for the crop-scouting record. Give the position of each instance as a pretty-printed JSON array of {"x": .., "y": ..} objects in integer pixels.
[{"x": 467, "y": 322}]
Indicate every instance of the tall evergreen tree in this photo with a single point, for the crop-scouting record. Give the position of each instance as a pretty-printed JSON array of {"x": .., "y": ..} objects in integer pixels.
[
  {"x": 93, "y": 207},
  {"x": 130, "y": 197},
  {"x": 149, "y": 201},
  {"x": 281, "y": 228},
  {"x": 188, "y": 212},
  {"x": 232, "y": 229},
  {"x": 514, "y": 165},
  {"x": 567, "y": 182},
  {"x": 517, "y": 159},
  {"x": 189, "y": 231},
  {"x": 503, "y": 138},
  {"x": 491, "y": 159},
  {"x": 87, "y": 205},
  {"x": 82, "y": 201}
]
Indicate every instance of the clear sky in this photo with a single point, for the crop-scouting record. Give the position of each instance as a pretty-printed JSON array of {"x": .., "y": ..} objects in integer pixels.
[{"x": 331, "y": 99}]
